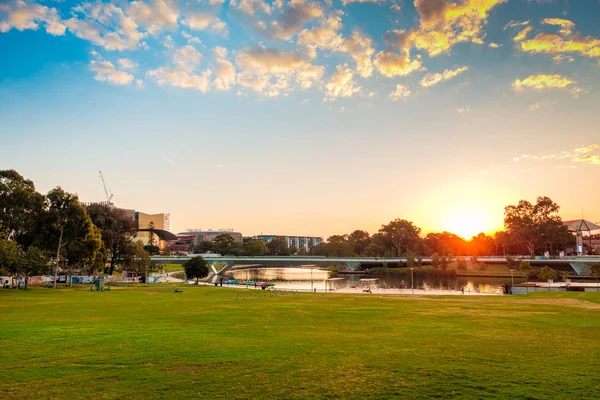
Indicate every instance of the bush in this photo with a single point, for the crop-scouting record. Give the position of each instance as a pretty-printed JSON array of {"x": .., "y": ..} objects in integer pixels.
[
  {"x": 524, "y": 266},
  {"x": 547, "y": 273},
  {"x": 435, "y": 259},
  {"x": 461, "y": 264}
]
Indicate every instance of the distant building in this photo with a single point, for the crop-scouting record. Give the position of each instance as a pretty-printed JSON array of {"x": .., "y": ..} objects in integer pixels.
[
  {"x": 195, "y": 236},
  {"x": 298, "y": 242}
]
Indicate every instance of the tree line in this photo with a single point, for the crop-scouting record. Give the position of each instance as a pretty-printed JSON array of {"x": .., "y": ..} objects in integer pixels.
[{"x": 41, "y": 234}]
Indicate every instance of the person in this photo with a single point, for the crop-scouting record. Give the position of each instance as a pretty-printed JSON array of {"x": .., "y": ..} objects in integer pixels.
[{"x": 462, "y": 290}]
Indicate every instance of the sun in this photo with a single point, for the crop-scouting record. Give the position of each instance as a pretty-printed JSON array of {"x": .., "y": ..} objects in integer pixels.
[{"x": 467, "y": 225}]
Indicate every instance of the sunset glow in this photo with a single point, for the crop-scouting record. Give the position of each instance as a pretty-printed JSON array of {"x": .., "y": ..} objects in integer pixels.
[{"x": 306, "y": 117}]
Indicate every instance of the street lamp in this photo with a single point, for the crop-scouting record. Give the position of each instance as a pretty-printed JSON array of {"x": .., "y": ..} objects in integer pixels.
[
  {"x": 311, "y": 280},
  {"x": 412, "y": 288},
  {"x": 512, "y": 279}
]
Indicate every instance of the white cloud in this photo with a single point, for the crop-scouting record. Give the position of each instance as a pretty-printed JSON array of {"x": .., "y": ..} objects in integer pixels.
[
  {"x": 183, "y": 72},
  {"x": 24, "y": 16},
  {"x": 400, "y": 92},
  {"x": 341, "y": 84},
  {"x": 105, "y": 25},
  {"x": 250, "y": 7},
  {"x": 187, "y": 58},
  {"x": 224, "y": 70},
  {"x": 159, "y": 15},
  {"x": 106, "y": 72},
  {"x": 126, "y": 63},
  {"x": 206, "y": 22},
  {"x": 183, "y": 79}
]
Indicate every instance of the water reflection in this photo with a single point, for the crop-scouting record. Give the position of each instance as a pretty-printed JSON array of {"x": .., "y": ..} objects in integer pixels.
[{"x": 304, "y": 279}]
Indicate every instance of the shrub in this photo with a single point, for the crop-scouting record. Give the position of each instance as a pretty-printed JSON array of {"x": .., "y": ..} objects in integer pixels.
[
  {"x": 547, "y": 273},
  {"x": 524, "y": 266},
  {"x": 461, "y": 264}
]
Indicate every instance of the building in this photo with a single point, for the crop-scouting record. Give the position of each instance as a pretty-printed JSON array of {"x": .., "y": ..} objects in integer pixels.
[
  {"x": 585, "y": 234},
  {"x": 298, "y": 242},
  {"x": 195, "y": 236}
]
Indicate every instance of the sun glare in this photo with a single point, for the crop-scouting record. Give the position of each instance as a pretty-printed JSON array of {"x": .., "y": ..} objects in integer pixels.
[{"x": 467, "y": 225}]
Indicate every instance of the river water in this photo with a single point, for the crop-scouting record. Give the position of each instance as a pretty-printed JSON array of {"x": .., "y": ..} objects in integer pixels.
[{"x": 306, "y": 279}]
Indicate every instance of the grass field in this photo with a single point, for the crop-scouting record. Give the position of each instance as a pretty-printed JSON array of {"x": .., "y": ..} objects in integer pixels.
[{"x": 214, "y": 343}]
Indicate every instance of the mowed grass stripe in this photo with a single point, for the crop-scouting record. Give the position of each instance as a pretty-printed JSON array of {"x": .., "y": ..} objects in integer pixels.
[{"x": 225, "y": 343}]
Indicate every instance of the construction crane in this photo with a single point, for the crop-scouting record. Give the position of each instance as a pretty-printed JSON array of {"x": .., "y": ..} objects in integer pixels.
[{"x": 108, "y": 197}]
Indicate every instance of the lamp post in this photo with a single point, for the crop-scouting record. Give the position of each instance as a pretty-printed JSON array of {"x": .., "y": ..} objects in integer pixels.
[
  {"x": 512, "y": 279},
  {"x": 412, "y": 288},
  {"x": 311, "y": 280}
]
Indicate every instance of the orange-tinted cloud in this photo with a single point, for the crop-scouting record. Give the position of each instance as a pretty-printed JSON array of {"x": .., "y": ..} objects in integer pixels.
[
  {"x": 433, "y": 79},
  {"x": 541, "y": 82},
  {"x": 567, "y": 40}
]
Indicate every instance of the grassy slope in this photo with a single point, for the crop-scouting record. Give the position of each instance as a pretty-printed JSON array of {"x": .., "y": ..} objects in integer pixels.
[{"x": 226, "y": 343}]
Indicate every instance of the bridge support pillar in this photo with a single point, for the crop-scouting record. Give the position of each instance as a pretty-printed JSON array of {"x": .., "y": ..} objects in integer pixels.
[
  {"x": 353, "y": 265},
  {"x": 226, "y": 268}
]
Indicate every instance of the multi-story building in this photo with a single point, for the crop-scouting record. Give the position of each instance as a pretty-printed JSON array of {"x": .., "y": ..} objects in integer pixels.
[
  {"x": 298, "y": 242},
  {"x": 195, "y": 236}
]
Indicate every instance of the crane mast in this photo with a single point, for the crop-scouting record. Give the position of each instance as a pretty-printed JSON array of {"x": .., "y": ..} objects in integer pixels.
[{"x": 108, "y": 197}]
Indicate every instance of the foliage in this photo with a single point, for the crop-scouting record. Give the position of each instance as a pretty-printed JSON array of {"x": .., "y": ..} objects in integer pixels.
[
  {"x": 538, "y": 225},
  {"x": 443, "y": 263},
  {"x": 278, "y": 247},
  {"x": 196, "y": 267},
  {"x": 32, "y": 262},
  {"x": 595, "y": 270},
  {"x": 152, "y": 249},
  {"x": 255, "y": 248},
  {"x": 546, "y": 273},
  {"x": 202, "y": 248},
  {"x": 400, "y": 234},
  {"x": 338, "y": 246},
  {"x": 461, "y": 263},
  {"x": 435, "y": 259},
  {"x": 359, "y": 240},
  {"x": 410, "y": 258},
  {"x": 20, "y": 205},
  {"x": 524, "y": 266},
  {"x": 223, "y": 244},
  {"x": 9, "y": 252},
  {"x": 117, "y": 231},
  {"x": 136, "y": 259}
]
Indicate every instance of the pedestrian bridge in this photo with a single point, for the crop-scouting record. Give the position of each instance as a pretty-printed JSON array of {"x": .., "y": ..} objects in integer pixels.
[{"x": 579, "y": 265}]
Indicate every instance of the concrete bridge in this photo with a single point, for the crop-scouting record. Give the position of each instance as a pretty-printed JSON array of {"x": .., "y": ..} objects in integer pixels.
[{"x": 579, "y": 265}]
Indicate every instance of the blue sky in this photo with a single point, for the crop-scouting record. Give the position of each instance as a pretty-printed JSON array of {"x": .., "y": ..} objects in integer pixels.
[{"x": 300, "y": 117}]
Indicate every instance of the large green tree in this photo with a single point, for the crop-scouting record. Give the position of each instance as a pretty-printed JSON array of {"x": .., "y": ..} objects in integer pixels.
[
  {"x": 278, "y": 247},
  {"x": 538, "y": 226},
  {"x": 196, "y": 268},
  {"x": 400, "y": 235},
  {"x": 359, "y": 240},
  {"x": 68, "y": 230},
  {"x": 136, "y": 259},
  {"x": 255, "y": 248},
  {"x": 223, "y": 244},
  {"x": 20, "y": 205},
  {"x": 9, "y": 252},
  {"x": 31, "y": 262},
  {"x": 117, "y": 230}
]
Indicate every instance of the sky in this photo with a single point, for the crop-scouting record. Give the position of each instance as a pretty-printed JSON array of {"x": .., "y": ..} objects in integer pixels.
[{"x": 307, "y": 118}]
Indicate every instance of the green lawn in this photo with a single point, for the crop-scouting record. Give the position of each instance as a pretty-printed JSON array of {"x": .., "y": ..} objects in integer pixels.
[{"x": 207, "y": 342}]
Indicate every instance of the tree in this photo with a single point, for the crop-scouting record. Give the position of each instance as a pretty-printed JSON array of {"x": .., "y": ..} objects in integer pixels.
[
  {"x": 201, "y": 248},
  {"x": 31, "y": 262},
  {"x": 196, "y": 267},
  {"x": 135, "y": 258},
  {"x": 117, "y": 231},
  {"x": 68, "y": 230},
  {"x": 410, "y": 258},
  {"x": 152, "y": 249},
  {"x": 595, "y": 270},
  {"x": 547, "y": 273},
  {"x": 338, "y": 246},
  {"x": 461, "y": 263},
  {"x": 255, "y": 248},
  {"x": 536, "y": 225},
  {"x": 222, "y": 243},
  {"x": 359, "y": 240},
  {"x": 9, "y": 252},
  {"x": 278, "y": 247},
  {"x": 20, "y": 204},
  {"x": 400, "y": 234}
]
